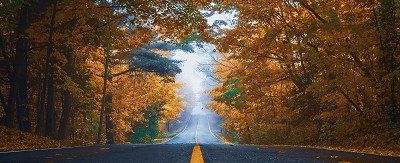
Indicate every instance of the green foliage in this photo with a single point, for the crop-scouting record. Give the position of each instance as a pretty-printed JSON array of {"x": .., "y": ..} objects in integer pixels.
[
  {"x": 147, "y": 130},
  {"x": 151, "y": 62},
  {"x": 229, "y": 95},
  {"x": 191, "y": 38},
  {"x": 233, "y": 93}
]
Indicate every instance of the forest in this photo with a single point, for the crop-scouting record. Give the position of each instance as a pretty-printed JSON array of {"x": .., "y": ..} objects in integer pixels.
[
  {"x": 290, "y": 72},
  {"x": 82, "y": 72},
  {"x": 308, "y": 72}
]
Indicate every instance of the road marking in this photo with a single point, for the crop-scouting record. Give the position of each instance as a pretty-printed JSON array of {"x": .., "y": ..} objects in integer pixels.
[
  {"x": 197, "y": 128},
  {"x": 197, "y": 156},
  {"x": 190, "y": 118},
  {"x": 212, "y": 133}
]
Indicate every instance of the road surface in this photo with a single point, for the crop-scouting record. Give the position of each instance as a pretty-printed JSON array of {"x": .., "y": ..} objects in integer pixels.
[
  {"x": 181, "y": 149},
  {"x": 197, "y": 131}
]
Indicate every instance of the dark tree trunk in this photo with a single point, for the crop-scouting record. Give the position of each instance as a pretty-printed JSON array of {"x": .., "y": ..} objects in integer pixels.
[
  {"x": 41, "y": 104},
  {"x": 10, "y": 111},
  {"x": 23, "y": 112},
  {"x": 9, "y": 106},
  {"x": 50, "y": 128},
  {"x": 3, "y": 103},
  {"x": 390, "y": 42},
  {"x": 109, "y": 123},
  {"x": 21, "y": 75},
  {"x": 41, "y": 111},
  {"x": 66, "y": 108},
  {"x": 7, "y": 67},
  {"x": 104, "y": 90},
  {"x": 66, "y": 98},
  {"x": 103, "y": 101}
]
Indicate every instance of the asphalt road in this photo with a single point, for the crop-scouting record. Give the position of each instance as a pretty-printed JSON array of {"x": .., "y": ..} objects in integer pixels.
[
  {"x": 180, "y": 147},
  {"x": 197, "y": 131}
]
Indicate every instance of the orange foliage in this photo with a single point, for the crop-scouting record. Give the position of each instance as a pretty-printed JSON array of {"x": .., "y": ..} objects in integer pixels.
[{"x": 311, "y": 72}]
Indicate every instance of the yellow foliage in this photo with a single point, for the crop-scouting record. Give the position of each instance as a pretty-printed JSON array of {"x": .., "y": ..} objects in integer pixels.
[{"x": 310, "y": 72}]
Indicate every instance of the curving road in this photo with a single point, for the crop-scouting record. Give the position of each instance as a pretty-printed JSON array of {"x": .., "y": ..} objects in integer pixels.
[
  {"x": 181, "y": 149},
  {"x": 197, "y": 131}
]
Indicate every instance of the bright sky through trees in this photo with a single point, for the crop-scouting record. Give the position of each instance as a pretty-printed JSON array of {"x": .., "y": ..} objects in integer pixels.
[{"x": 190, "y": 75}]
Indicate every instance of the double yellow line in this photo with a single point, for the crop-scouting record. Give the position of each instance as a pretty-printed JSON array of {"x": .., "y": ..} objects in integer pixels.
[{"x": 197, "y": 156}]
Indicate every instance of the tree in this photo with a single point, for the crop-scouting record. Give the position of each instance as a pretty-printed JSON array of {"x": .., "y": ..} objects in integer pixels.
[
  {"x": 309, "y": 72},
  {"x": 58, "y": 56}
]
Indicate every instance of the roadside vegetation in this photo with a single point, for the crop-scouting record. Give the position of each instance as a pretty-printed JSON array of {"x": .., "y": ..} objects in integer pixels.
[
  {"x": 314, "y": 73},
  {"x": 320, "y": 73},
  {"x": 79, "y": 72}
]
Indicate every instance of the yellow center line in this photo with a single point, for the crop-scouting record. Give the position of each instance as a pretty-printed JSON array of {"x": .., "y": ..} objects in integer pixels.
[{"x": 197, "y": 156}]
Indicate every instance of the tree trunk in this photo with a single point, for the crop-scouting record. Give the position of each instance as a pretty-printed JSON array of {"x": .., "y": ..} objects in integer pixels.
[
  {"x": 40, "y": 113},
  {"x": 3, "y": 102},
  {"x": 104, "y": 91},
  {"x": 390, "y": 42},
  {"x": 4, "y": 106},
  {"x": 50, "y": 128},
  {"x": 103, "y": 101},
  {"x": 66, "y": 97},
  {"x": 10, "y": 111},
  {"x": 66, "y": 108},
  {"x": 109, "y": 124},
  {"x": 21, "y": 75}
]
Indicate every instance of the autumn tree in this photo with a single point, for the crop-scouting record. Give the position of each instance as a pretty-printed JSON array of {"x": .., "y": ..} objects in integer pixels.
[
  {"x": 62, "y": 64},
  {"x": 311, "y": 72}
]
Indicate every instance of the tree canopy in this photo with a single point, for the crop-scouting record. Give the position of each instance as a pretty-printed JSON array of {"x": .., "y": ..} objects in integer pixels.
[
  {"x": 311, "y": 72},
  {"x": 70, "y": 67}
]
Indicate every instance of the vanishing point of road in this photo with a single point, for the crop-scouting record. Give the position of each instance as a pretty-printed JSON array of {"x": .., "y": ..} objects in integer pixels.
[{"x": 196, "y": 143}]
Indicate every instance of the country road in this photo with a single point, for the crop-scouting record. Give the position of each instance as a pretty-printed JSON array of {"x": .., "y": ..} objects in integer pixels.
[
  {"x": 180, "y": 149},
  {"x": 198, "y": 130}
]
